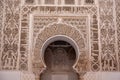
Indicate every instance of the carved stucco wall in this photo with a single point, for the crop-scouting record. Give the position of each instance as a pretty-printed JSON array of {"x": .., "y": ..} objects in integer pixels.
[
  {"x": 51, "y": 31},
  {"x": 42, "y": 21},
  {"x": 99, "y": 25}
]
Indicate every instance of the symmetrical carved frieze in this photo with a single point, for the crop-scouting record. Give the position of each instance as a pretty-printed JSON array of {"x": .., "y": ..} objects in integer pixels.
[
  {"x": 53, "y": 20},
  {"x": 80, "y": 22},
  {"x": 108, "y": 37},
  {"x": 26, "y": 10},
  {"x": 41, "y": 22},
  {"x": 10, "y": 34}
]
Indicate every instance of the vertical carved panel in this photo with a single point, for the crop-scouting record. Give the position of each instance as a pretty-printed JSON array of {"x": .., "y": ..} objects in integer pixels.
[
  {"x": 10, "y": 35},
  {"x": 95, "y": 64},
  {"x": 108, "y": 41},
  {"x": 1, "y": 26},
  {"x": 23, "y": 60},
  {"x": 118, "y": 27}
]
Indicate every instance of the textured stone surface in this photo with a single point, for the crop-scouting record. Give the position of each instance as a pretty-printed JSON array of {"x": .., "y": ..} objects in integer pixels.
[{"x": 95, "y": 29}]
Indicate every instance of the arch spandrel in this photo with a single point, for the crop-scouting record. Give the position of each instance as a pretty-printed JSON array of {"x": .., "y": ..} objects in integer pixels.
[{"x": 54, "y": 30}]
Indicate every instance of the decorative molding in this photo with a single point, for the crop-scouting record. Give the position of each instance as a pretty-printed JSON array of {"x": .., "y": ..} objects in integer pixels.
[
  {"x": 53, "y": 30},
  {"x": 59, "y": 2}
]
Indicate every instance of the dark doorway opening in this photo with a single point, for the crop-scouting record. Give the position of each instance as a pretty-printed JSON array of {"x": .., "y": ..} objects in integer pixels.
[{"x": 59, "y": 58}]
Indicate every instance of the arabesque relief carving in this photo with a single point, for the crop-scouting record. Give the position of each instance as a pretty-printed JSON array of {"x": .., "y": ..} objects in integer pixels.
[
  {"x": 53, "y": 30},
  {"x": 108, "y": 36},
  {"x": 27, "y": 10},
  {"x": 94, "y": 28},
  {"x": 10, "y": 34}
]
